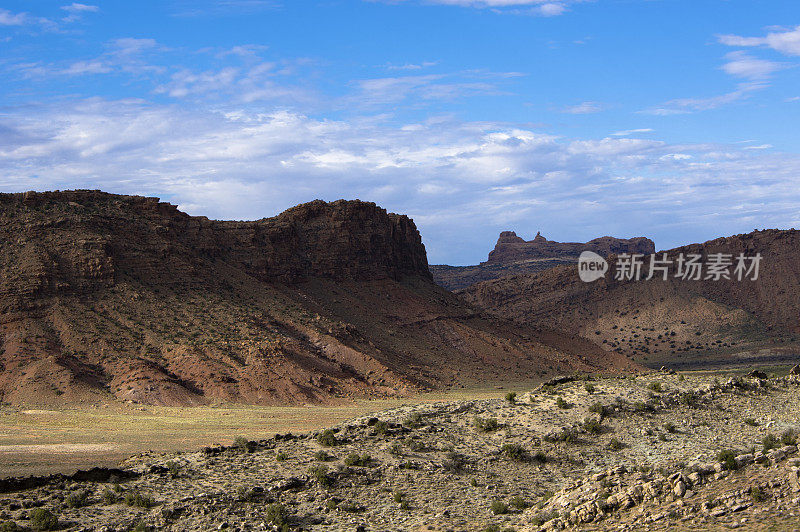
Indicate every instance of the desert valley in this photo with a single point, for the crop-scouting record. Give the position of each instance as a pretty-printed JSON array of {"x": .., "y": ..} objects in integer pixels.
[{"x": 311, "y": 371}]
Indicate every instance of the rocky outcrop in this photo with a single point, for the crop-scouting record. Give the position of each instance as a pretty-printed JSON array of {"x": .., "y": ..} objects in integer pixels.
[
  {"x": 510, "y": 248},
  {"x": 514, "y": 256},
  {"x": 664, "y": 320},
  {"x": 126, "y": 296},
  {"x": 80, "y": 241}
]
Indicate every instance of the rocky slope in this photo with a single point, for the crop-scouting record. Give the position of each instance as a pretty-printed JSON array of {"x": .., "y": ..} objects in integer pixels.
[
  {"x": 668, "y": 321},
  {"x": 513, "y": 255},
  {"x": 658, "y": 452},
  {"x": 105, "y": 296}
]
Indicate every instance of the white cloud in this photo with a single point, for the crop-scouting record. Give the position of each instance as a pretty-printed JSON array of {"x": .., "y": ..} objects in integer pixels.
[
  {"x": 689, "y": 105},
  {"x": 80, "y": 8},
  {"x": 7, "y": 18},
  {"x": 743, "y": 65},
  {"x": 628, "y": 132},
  {"x": 786, "y": 41},
  {"x": 451, "y": 176},
  {"x": 583, "y": 108},
  {"x": 545, "y": 8}
]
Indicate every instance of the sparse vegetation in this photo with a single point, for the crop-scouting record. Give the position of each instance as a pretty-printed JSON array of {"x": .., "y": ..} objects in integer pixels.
[
  {"x": 728, "y": 459},
  {"x": 43, "y": 519},
  {"x": 486, "y": 425},
  {"x": 615, "y": 445},
  {"x": 498, "y": 507},
  {"x": 511, "y": 398},
  {"x": 138, "y": 500},
  {"x": 328, "y": 438},
  {"x": 561, "y": 403}
]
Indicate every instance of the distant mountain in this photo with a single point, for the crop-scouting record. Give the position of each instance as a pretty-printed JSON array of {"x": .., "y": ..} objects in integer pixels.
[
  {"x": 513, "y": 255},
  {"x": 666, "y": 321},
  {"x": 123, "y": 297}
]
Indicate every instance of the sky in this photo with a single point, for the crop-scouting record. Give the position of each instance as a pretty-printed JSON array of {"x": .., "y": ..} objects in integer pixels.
[{"x": 671, "y": 119}]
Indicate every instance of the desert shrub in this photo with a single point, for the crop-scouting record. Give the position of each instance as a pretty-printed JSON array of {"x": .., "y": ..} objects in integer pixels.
[
  {"x": 320, "y": 473},
  {"x": 750, "y": 421},
  {"x": 351, "y": 507},
  {"x": 561, "y": 403},
  {"x": 43, "y": 519},
  {"x": 589, "y": 387},
  {"x": 244, "y": 444},
  {"x": 381, "y": 428},
  {"x": 398, "y": 496},
  {"x": 453, "y": 462},
  {"x": 592, "y": 425},
  {"x": 277, "y": 515},
  {"x": 757, "y": 494},
  {"x": 137, "y": 499},
  {"x": 492, "y": 528},
  {"x": 473, "y": 483},
  {"x": 174, "y": 468},
  {"x": 542, "y": 518},
  {"x": 728, "y": 459},
  {"x": 566, "y": 435},
  {"x": 486, "y": 425},
  {"x": 599, "y": 408},
  {"x": 109, "y": 497},
  {"x": 10, "y": 526},
  {"x": 281, "y": 456},
  {"x": 514, "y": 451},
  {"x": 615, "y": 445},
  {"x": 519, "y": 503},
  {"x": 641, "y": 406},
  {"x": 413, "y": 420},
  {"x": 405, "y": 505},
  {"x": 789, "y": 437},
  {"x": 511, "y": 397},
  {"x": 246, "y": 494},
  {"x": 322, "y": 456},
  {"x": 669, "y": 426},
  {"x": 681, "y": 378},
  {"x": 655, "y": 386},
  {"x": 539, "y": 456},
  {"x": 498, "y": 507},
  {"x": 77, "y": 499},
  {"x": 396, "y": 449},
  {"x": 662, "y": 437},
  {"x": 327, "y": 438},
  {"x": 688, "y": 398},
  {"x": 331, "y": 504},
  {"x": 354, "y": 459},
  {"x": 770, "y": 441}
]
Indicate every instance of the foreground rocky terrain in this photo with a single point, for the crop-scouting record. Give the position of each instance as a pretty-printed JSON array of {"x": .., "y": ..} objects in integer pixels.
[
  {"x": 106, "y": 297},
  {"x": 652, "y": 452}
]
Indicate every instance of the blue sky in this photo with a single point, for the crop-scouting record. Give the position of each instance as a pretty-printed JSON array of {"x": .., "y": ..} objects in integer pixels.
[{"x": 671, "y": 119}]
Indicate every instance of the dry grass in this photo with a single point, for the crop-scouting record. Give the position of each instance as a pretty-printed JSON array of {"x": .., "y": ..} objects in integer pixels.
[{"x": 63, "y": 440}]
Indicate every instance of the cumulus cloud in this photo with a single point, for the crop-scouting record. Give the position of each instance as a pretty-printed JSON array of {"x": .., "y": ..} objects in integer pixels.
[
  {"x": 457, "y": 179},
  {"x": 785, "y": 41}
]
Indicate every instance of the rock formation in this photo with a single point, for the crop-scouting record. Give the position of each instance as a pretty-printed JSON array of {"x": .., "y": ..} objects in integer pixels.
[{"x": 118, "y": 296}]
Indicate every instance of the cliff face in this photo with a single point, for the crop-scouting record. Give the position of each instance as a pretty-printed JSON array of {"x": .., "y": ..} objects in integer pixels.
[
  {"x": 105, "y": 296},
  {"x": 513, "y": 255},
  {"x": 510, "y": 248},
  {"x": 665, "y": 320},
  {"x": 80, "y": 241}
]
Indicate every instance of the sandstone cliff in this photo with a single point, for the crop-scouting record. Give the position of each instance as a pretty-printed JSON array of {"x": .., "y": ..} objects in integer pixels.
[
  {"x": 107, "y": 296},
  {"x": 513, "y": 255},
  {"x": 660, "y": 321}
]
